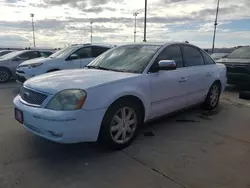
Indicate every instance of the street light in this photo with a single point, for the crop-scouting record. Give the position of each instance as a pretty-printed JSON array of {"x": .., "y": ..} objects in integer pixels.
[
  {"x": 135, "y": 14},
  {"x": 145, "y": 22},
  {"x": 215, "y": 24},
  {"x": 32, "y": 17},
  {"x": 91, "y": 31}
]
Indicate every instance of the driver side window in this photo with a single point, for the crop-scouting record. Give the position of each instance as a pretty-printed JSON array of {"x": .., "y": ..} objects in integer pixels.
[
  {"x": 172, "y": 53},
  {"x": 84, "y": 53},
  {"x": 29, "y": 55}
]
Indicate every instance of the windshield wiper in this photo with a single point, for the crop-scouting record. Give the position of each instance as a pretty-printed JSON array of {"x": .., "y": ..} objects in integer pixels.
[
  {"x": 108, "y": 69},
  {"x": 99, "y": 67}
]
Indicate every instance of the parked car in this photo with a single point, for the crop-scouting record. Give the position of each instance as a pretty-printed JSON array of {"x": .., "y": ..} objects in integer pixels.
[
  {"x": 73, "y": 57},
  {"x": 4, "y": 52},
  {"x": 9, "y": 62},
  {"x": 118, "y": 91},
  {"x": 238, "y": 66},
  {"x": 217, "y": 56}
]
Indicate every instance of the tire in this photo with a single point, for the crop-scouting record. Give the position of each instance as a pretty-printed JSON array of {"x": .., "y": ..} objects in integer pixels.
[
  {"x": 114, "y": 119},
  {"x": 5, "y": 75},
  {"x": 213, "y": 97},
  {"x": 244, "y": 95}
]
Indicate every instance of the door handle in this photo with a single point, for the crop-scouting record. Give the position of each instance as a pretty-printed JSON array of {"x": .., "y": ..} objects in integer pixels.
[
  {"x": 208, "y": 74},
  {"x": 183, "y": 79}
]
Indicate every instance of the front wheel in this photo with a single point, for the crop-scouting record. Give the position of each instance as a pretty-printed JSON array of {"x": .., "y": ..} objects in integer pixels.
[
  {"x": 4, "y": 75},
  {"x": 120, "y": 124},
  {"x": 213, "y": 97}
]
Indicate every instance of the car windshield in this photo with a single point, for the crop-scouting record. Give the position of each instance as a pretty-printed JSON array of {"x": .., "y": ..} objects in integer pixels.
[
  {"x": 240, "y": 53},
  {"x": 131, "y": 58},
  {"x": 10, "y": 55},
  {"x": 63, "y": 52}
]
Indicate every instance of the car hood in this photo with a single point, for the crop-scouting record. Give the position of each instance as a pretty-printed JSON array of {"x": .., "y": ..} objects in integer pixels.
[
  {"x": 228, "y": 61},
  {"x": 38, "y": 60},
  {"x": 54, "y": 82}
]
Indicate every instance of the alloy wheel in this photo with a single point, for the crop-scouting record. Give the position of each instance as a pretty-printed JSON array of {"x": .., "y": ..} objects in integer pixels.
[
  {"x": 4, "y": 76},
  {"x": 215, "y": 93},
  {"x": 123, "y": 125}
]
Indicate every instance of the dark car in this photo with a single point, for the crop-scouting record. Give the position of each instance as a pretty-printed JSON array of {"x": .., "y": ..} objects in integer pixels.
[{"x": 238, "y": 66}]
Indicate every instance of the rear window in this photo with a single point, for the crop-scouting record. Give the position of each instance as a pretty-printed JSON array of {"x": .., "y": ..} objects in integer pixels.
[{"x": 240, "y": 53}]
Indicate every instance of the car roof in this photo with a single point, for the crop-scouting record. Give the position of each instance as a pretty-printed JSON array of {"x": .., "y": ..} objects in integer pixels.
[
  {"x": 95, "y": 44},
  {"x": 161, "y": 44}
]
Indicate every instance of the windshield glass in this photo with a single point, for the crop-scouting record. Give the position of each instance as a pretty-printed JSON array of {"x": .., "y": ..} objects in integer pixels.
[
  {"x": 63, "y": 52},
  {"x": 133, "y": 58},
  {"x": 10, "y": 55},
  {"x": 240, "y": 53}
]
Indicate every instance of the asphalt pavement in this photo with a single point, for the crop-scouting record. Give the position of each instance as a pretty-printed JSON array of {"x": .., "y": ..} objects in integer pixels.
[{"x": 190, "y": 149}]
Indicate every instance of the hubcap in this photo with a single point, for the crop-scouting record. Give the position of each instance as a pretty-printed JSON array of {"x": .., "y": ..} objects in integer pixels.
[
  {"x": 214, "y": 97},
  {"x": 3, "y": 76},
  {"x": 123, "y": 125}
]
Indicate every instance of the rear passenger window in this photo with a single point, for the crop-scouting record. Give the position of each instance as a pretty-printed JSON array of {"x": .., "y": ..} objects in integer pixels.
[
  {"x": 172, "y": 53},
  {"x": 85, "y": 52},
  {"x": 207, "y": 58},
  {"x": 192, "y": 56},
  {"x": 97, "y": 50}
]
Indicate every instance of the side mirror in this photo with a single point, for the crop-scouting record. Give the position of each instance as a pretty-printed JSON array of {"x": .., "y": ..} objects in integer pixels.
[
  {"x": 167, "y": 65},
  {"x": 16, "y": 58},
  {"x": 73, "y": 57}
]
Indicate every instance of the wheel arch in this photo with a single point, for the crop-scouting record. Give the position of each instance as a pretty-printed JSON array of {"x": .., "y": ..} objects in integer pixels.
[
  {"x": 2, "y": 67},
  {"x": 132, "y": 97}
]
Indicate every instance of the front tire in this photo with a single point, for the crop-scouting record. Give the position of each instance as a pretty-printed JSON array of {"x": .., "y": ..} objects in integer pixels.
[
  {"x": 4, "y": 75},
  {"x": 213, "y": 97},
  {"x": 120, "y": 124}
]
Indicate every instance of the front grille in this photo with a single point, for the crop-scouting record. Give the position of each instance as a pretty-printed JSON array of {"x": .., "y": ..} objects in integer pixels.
[
  {"x": 233, "y": 68},
  {"x": 20, "y": 78},
  {"x": 32, "y": 97},
  {"x": 19, "y": 71}
]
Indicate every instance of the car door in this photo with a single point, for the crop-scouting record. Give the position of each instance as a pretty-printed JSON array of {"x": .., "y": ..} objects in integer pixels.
[
  {"x": 210, "y": 69},
  {"x": 195, "y": 70},
  {"x": 168, "y": 88},
  {"x": 79, "y": 58}
]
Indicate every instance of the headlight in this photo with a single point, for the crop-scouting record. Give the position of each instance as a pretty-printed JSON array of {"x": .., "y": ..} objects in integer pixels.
[
  {"x": 67, "y": 100},
  {"x": 35, "y": 65}
]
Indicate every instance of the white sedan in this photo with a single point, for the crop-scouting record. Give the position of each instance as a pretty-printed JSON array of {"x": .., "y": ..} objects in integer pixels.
[{"x": 117, "y": 92}]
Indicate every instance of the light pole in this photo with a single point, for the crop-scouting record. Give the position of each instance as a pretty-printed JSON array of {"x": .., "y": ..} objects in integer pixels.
[
  {"x": 91, "y": 31},
  {"x": 32, "y": 17},
  {"x": 135, "y": 14},
  {"x": 145, "y": 22},
  {"x": 215, "y": 24}
]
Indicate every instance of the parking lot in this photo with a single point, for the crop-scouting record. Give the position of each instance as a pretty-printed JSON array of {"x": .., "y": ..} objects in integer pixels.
[{"x": 191, "y": 149}]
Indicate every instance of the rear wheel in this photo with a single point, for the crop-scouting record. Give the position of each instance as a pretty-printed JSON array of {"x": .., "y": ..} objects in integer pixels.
[
  {"x": 213, "y": 97},
  {"x": 4, "y": 75},
  {"x": 120, "y": 124}
]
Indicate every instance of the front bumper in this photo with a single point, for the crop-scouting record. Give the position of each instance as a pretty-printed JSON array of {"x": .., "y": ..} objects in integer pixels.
[
  {"x": 62, "y": 126},
  {"x": 238, "y": 78}
]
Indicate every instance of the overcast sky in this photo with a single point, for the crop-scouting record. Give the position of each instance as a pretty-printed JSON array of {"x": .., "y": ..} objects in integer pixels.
[{"x": 62, "y": 22}]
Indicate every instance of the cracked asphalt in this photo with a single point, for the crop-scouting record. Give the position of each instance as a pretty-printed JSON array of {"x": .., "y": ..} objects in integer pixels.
[{"x": 190, "y": 149}]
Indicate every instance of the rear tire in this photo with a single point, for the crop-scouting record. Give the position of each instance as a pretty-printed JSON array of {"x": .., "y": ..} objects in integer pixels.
[
  {"x": 5, "y": 75},
  {"x": 213, "y": 97},
  {"x": 120, "y": 124}
]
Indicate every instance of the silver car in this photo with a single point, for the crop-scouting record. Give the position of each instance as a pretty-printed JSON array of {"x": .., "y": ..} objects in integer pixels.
[{"x": 9, "y": 62}]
